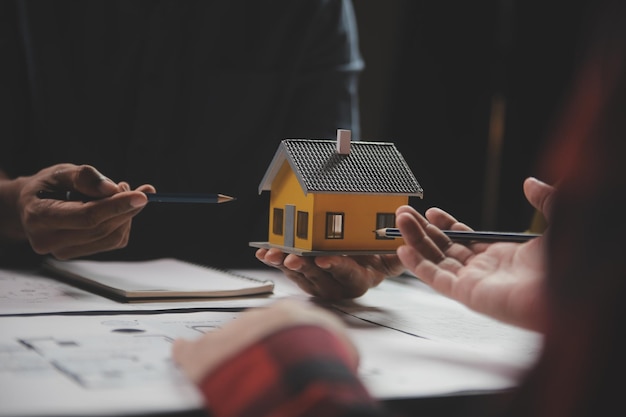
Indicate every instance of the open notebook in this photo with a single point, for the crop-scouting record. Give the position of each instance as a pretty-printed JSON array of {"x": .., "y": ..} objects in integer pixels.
[{"x": 159, "y": 279}]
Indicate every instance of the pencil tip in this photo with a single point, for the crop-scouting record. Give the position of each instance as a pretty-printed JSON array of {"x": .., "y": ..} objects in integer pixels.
[{"x": 221, "y": 198}]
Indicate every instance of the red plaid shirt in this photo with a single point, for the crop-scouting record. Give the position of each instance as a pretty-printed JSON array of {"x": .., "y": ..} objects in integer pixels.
[{"x": 299, "y": 371}]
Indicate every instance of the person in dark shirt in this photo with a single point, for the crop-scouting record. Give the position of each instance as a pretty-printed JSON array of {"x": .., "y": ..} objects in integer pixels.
[{"x": 189, "y": 96}]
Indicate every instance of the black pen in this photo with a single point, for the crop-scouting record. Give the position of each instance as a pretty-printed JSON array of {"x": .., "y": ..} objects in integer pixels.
[
  {"x": 152, "y": 197},
  {"x": 467, "y": 235}
]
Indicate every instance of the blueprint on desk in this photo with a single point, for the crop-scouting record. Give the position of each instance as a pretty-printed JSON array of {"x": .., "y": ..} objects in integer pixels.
[
  {"x": 109, "y": 365},
  {"x": 121, "y": 364}
]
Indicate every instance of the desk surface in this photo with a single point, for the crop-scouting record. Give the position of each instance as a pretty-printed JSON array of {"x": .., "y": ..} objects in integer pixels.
[{"x": 410, "y": 339}]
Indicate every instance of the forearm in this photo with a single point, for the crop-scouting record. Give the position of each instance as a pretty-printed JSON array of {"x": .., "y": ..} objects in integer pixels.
[
  {"x": 301, "y": 371},
  {"x": 10, "y": 224}
]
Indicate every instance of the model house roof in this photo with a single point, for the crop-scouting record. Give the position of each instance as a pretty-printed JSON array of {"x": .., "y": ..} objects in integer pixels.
[{"x": 366, "y": 167}]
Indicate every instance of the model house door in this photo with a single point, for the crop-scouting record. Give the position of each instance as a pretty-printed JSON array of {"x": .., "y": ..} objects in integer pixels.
[{"x": 290, "y": 225}]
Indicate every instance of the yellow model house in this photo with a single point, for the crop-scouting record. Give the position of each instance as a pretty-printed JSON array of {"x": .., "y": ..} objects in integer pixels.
[{"x": 330, "y": 196}]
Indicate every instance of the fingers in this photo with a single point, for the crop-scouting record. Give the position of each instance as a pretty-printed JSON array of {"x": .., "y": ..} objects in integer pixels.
[
  {"x": 440, "y": 276},
  {"x": 334, "y": 281},
  {"x": 123, "y": 186},
  {"x": 276, "y": 258},
  {"x": 303, "y": 271},
  {"x": 428, "y": 252},
  {"x": 271, "y": 257},
  {"x": 181, "y": 351},
  {"x": 46, "y": 238},
  {"x": 426, "y": 236},
  {"x": 85, "y": 179},
  {"x": 344, "y": 277},
  {"x": 116, "y": 240},
  {"x": 539, "y": 194},
  {"x": 146, "y": 188},
  {"x": 70, "y": 229},
  {"x": 434, "y": 222},
  {"x": 332, "y": 277},
  {"x": 444, "y": 220},
  {"x": 76, "y": 215},
  {"x": 199, "y": 358},
  {"x": 415, "y": 235}
]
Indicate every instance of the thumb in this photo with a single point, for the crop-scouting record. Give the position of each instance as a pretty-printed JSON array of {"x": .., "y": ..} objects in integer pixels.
[
  {"x": 539, "y": 194},
  {"x": 179, "y": 349},
  {"x": 89, "y": 181}
]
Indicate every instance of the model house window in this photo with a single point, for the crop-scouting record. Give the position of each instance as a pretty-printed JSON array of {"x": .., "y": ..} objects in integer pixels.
[
  {"x": 334, "y": 225},
  {"x": 384, "y": 220},
  {"x": 302, "y": 225},
  {"x": 277, "y": 227}
]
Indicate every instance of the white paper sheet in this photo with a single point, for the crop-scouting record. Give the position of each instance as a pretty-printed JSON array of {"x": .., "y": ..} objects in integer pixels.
[
  {"x": 408, "y": 305},
  {"x": 103, "y": 365},
  {"x": 32, "y": 292},
  {"x": 120, "y": 364}
]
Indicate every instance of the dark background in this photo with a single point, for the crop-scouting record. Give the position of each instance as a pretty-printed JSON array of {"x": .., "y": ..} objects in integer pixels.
[{"x": 432, "y": 71}]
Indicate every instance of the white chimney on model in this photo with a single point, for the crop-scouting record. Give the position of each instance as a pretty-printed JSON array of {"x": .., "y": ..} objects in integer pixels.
[{"x": 344, "y": 137}]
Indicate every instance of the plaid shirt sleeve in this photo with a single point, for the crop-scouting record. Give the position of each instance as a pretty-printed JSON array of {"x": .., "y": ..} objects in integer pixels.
[{"x": 299, "y": 371}]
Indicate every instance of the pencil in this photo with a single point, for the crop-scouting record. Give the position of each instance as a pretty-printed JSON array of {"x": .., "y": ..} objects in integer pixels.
[
  {"x": 466, "y": 235},
  {"x": 152, "y": 197}
]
